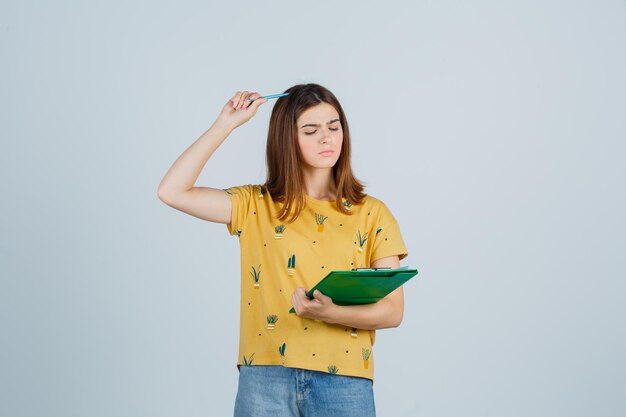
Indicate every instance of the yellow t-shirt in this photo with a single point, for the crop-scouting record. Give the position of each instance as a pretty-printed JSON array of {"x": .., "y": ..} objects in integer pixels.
[{"x": 277, "y": 257}]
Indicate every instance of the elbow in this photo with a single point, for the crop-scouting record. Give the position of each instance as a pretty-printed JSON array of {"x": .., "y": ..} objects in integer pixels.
[
  {"x": 396, "y": 314},
  {"x": 392, "y": 320},
  {"x": 165, "y": 191},
  {"x": 396, "y": 317},
  {"x": 163, "y": 196},
  {"x": 397, "y": 320}
]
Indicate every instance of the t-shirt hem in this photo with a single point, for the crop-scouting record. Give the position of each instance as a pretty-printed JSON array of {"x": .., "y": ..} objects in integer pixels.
[{"x": 341, "y": 370}]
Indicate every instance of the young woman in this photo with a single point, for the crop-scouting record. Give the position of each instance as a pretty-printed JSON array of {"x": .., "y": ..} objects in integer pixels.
[{"x": 310, "y": 217}]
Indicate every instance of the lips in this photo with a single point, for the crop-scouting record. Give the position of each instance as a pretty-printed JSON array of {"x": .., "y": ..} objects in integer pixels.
[{"x": 327, "y": 152}]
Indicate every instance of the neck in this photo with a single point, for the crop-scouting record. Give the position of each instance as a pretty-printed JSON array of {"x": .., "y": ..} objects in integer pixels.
[{"x": 319, "y": 183}]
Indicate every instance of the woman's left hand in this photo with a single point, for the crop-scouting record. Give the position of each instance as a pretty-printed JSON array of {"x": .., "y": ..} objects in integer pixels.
[{"x": 318, "y": 308}]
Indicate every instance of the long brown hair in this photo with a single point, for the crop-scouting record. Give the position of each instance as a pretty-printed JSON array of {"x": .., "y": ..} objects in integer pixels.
[{"x": 285, "y": 182}]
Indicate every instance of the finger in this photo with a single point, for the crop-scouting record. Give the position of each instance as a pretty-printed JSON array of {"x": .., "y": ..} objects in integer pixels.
[
  {"x": 320, "y": 297},
  {"x": 242, "y": 99},
  {"x": 235, "y": 99},
  {"x": 257, "y": 101},
  {"x": 253, "y": 97},
  {"x": 298, "y": 295},
  {"x": 296, "y": 305}
]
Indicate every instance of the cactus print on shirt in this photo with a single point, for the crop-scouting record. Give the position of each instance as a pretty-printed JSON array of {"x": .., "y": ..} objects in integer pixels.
[{"x": 278, "y": 256}]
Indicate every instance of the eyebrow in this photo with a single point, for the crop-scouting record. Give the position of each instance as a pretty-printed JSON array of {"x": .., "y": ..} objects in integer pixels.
[{"x": 311, "y": 124}]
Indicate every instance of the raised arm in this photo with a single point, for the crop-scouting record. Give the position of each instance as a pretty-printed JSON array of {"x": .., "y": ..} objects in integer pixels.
[{"x": 177, "y": 188}]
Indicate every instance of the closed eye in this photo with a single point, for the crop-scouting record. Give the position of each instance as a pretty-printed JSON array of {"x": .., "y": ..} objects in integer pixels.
[{"x": 310, "y": 133}]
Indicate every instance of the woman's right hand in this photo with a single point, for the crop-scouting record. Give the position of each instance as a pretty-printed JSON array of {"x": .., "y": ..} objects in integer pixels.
[{"x": 239, "y": 110}]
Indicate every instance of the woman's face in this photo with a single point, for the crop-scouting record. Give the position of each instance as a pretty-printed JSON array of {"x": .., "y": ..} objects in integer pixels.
[{"x": 320, "y": 130}]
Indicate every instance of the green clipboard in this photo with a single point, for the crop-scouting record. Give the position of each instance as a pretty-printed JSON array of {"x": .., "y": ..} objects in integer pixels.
[{"x": 361, "y": 285}]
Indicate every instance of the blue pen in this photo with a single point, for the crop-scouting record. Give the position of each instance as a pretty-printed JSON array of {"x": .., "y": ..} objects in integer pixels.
[{"x": 271, "y": 96}]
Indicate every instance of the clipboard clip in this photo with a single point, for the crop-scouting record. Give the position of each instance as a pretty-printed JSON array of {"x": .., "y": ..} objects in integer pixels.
[{"x": 370, "y": 269}]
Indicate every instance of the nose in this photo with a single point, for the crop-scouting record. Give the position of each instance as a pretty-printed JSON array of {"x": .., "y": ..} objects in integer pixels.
[{"x": 327, "y": 137}]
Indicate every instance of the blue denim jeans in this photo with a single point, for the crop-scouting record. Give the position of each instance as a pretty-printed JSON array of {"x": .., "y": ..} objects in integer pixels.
[{"x": 277, "y": 391}]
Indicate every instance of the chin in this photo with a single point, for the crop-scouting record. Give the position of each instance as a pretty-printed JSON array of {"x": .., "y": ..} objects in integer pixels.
[{"x": 328, "y": 163}]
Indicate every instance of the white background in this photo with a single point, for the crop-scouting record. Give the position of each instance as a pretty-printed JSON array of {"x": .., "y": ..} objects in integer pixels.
[{"x": 493, "y": 130}]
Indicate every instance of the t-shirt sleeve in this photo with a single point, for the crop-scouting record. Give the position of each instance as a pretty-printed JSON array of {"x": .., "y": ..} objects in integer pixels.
[
  {"x": 388, "y": 240},
  {"x": 240, "y": 198}
]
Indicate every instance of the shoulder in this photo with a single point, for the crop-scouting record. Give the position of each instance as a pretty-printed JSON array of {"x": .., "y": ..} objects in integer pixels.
[
  {"x": 373, "y": 203},
  {"x": 246, "y": 189},
  {"x": 376, "y": 207}
]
